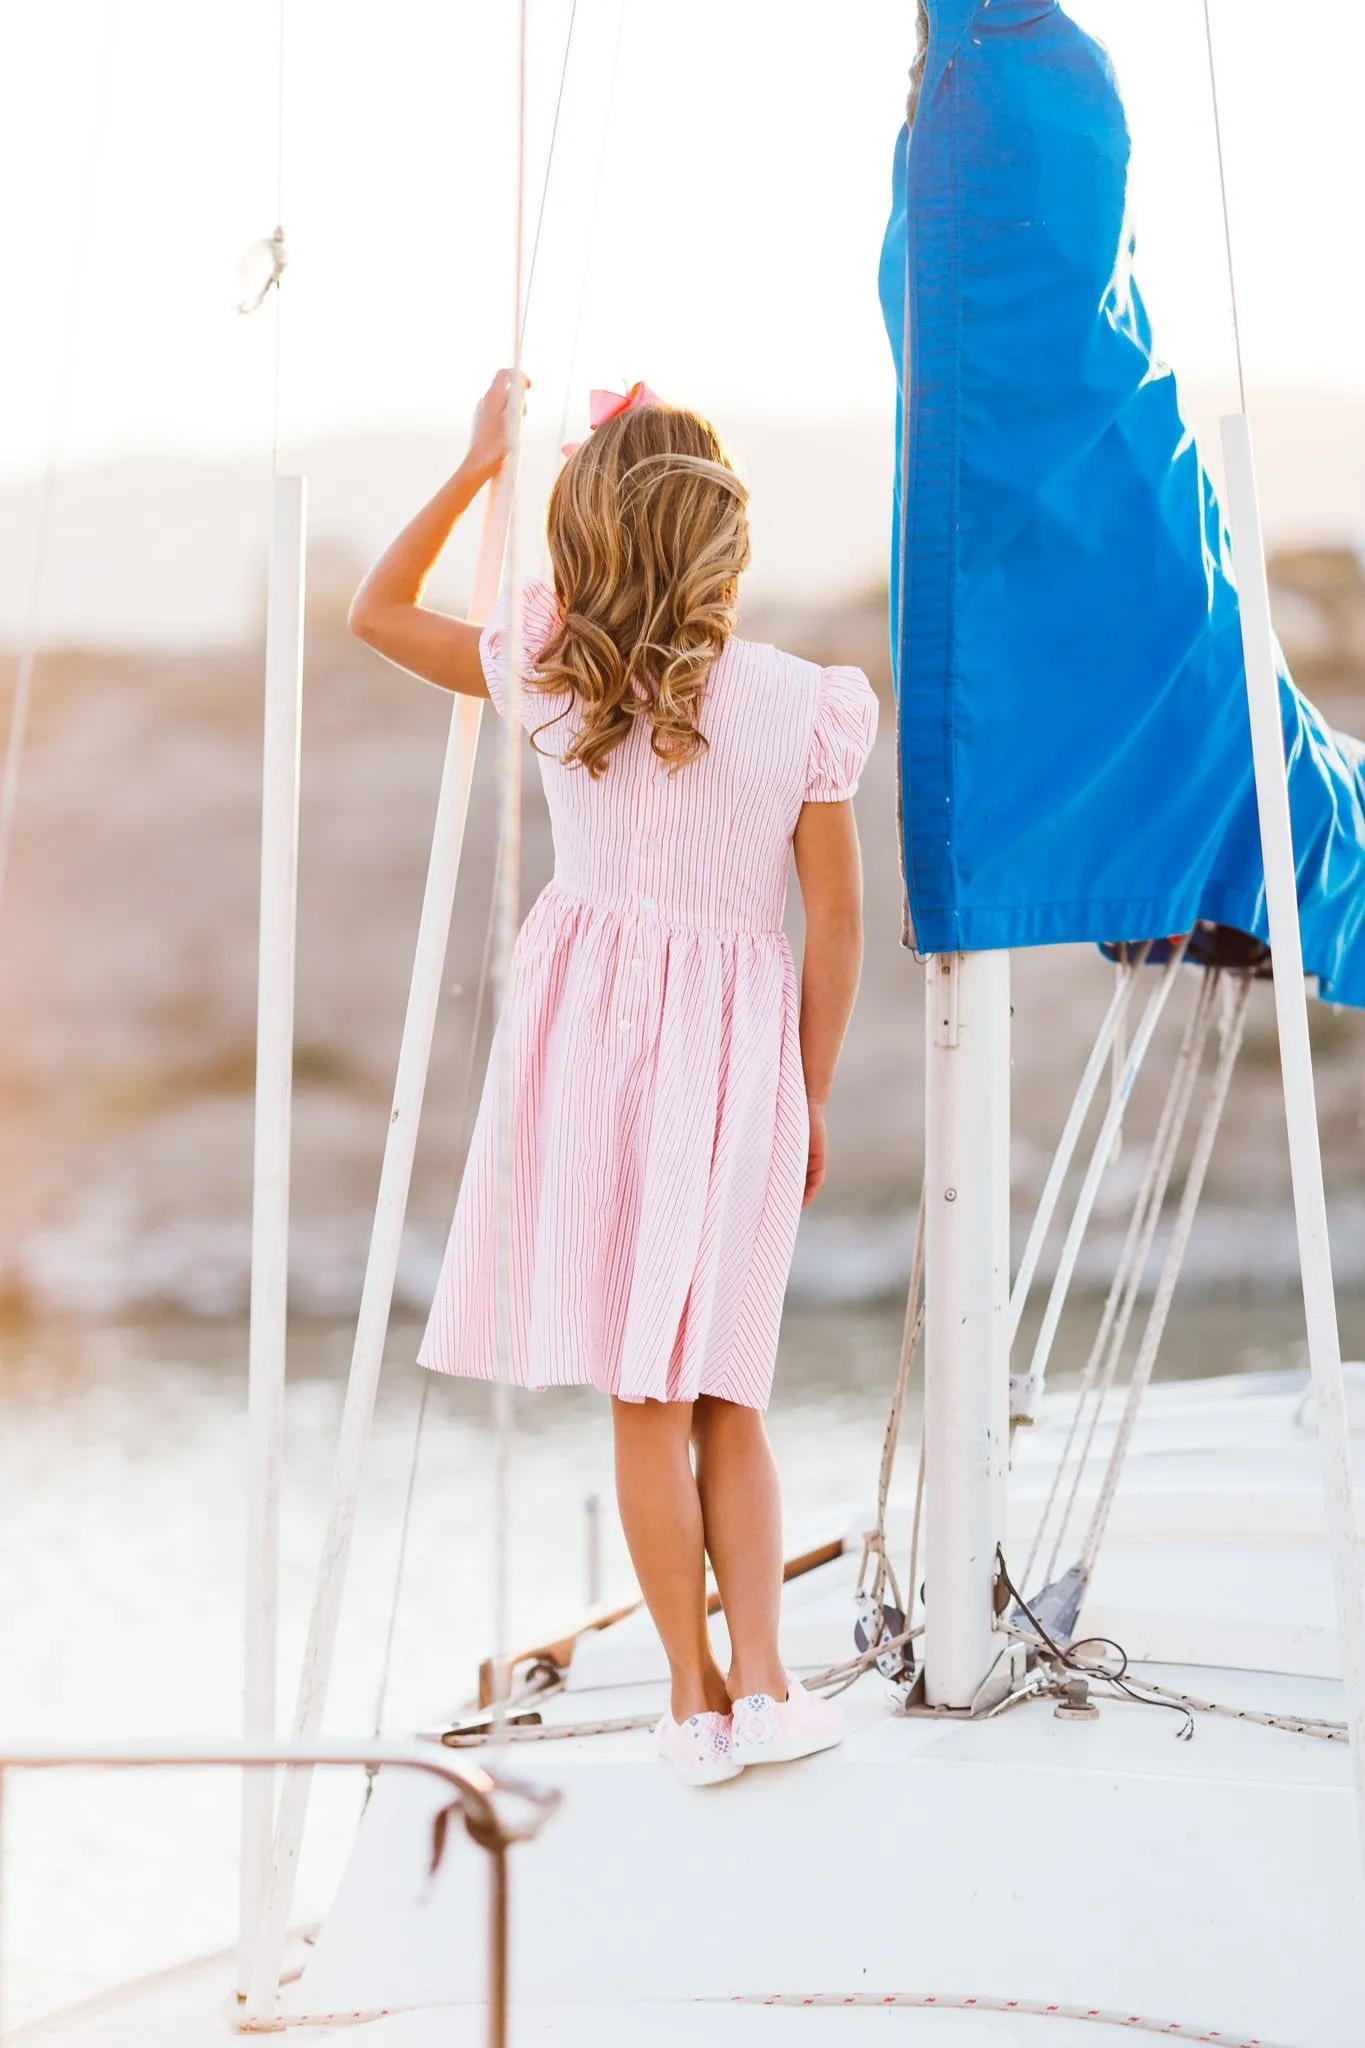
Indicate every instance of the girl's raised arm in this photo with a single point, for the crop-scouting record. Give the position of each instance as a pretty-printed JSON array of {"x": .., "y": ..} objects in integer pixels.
[
  {"x": 829, "y": 871},
  {"x": 387, "y": 611}
]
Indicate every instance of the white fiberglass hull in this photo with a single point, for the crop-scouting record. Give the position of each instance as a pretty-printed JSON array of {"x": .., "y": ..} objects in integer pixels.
[{"x": 1210, "y": 1887}]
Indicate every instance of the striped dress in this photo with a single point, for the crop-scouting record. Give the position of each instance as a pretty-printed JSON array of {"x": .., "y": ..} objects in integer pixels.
[{"x": 659, "y": 1106}]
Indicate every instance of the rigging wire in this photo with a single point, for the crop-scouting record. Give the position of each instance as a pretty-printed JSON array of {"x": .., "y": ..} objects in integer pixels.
[
  {"x": 545, "y": 185},
  {"x": 400, "y": 1571},
  {"x": 509, "y": 905},
  {"x": 465, "y": 1117},
  {"x": 1223, "y": 194},
  {"x": 594, "y": 210},
  {"x": 464, "y": 1128},
  {"x": 1102, "y": 1363},
  {"x": 22, "y": 699},
  {"x": 278, "y": 240},
  {"x": 1234, "y": 1026}
]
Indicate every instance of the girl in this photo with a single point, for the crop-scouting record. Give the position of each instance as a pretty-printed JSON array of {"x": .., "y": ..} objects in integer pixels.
[{"x": 668, "y": 1086}]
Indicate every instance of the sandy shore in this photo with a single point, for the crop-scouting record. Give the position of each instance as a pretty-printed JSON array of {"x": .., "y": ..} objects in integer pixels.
[{"x": 127, "y": 991}]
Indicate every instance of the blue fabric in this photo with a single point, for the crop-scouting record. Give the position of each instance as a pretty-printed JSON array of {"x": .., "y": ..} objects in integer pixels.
[{"x": 1075, "y": 753}]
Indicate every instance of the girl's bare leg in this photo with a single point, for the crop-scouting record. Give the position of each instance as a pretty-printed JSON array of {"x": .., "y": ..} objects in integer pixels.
[
  {"x": 742, "y": 1511},
  {"x": 656, "y": 1492}
]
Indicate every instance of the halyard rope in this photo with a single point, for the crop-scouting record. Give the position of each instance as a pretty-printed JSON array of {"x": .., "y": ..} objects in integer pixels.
[
  {"x": 874, "y": 1542},
  {"x": 912, "y": 1589}
]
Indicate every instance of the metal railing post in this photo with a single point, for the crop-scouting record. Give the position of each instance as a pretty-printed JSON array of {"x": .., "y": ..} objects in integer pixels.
[
  {"x": 477, "y": 1792},
  {"x": 381, "y": 1267},
  {"x": 270, "y": 1188}
]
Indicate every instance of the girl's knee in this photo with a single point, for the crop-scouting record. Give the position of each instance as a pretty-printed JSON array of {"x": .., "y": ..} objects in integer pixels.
[
  {"x": 660, "y": 1422},
  {"x": 713, "y": 1416}
]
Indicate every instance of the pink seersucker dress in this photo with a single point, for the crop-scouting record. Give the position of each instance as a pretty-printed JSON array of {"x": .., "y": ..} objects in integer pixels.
[{"x": 658, "y": 1100}]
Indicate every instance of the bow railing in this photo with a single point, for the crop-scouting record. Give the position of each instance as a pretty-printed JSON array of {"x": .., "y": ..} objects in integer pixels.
[{"x": 497, "y": 1809}]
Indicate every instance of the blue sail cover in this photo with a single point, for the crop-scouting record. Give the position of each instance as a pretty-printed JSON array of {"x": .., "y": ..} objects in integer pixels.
[{"x": 1075, "y": 752}]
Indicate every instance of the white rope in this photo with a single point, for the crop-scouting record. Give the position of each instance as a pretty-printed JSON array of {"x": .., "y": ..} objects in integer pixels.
[
  {"x": 912, "y": 1589},
  {"x": 1102, "y": 1363},
  {"x": 1107, "y": 1037},
  {"x": 1026, "y": 1390},
  {"x": 874, "y": 1543},
  {"x": 952, "y": 2001},
  {"x": 1314, "y": 1725},
  {"x": 21, "y": 701},
  {"x": 1170, "y": 1273}
]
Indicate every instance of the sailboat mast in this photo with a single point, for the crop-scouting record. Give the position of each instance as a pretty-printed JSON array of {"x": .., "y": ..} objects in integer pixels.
[{"x": 966, "y": 1314}]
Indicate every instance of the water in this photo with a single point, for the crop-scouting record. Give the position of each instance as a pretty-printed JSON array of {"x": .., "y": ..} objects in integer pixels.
[{"x": 121, "y": 1542}]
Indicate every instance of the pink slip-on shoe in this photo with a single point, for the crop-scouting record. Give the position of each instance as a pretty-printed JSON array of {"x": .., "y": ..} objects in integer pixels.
[
  {"x": 700, "y": 1748},
  {"x": 769, "y": 1731}
]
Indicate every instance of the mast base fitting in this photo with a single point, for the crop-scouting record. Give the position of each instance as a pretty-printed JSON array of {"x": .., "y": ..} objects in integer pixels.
[{"x": 1075, "y": 1703}]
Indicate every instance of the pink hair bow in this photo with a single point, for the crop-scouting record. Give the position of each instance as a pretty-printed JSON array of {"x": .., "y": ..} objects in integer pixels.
[{"x": 605, "y": 405}]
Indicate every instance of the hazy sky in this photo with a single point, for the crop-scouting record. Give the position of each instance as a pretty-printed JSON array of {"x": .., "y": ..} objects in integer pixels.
[{"x": 747, "y": 154}]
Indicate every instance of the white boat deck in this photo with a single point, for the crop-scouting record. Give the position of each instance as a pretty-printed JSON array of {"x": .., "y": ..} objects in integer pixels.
[{"x": 1211, "y": 1887}]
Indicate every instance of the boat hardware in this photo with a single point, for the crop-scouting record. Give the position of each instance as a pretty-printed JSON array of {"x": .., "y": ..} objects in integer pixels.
[
  {"x": 1075, "y": 1703},
  {"x": 497, "y": 1811},
  {"x": 878, "y": 1627}
]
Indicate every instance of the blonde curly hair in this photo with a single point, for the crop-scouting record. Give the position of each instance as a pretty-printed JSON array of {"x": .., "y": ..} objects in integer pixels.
[{"x": 648, "y": 534}]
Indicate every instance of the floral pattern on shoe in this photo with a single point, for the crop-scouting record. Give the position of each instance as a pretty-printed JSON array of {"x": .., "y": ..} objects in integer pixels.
[
  {"x": 755, "y": 1720},
  {"x": 700, "y": 1749},
  {"x": 770, "y": 1731}
]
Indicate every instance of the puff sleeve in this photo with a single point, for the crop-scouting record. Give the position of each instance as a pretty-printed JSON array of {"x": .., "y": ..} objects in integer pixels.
[
  {"x": 841, "y": 738},
  {"x": 539, "y": 617}
]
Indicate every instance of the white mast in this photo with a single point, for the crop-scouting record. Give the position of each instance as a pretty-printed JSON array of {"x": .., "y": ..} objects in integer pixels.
[{"x": 966, "y": 1315}]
